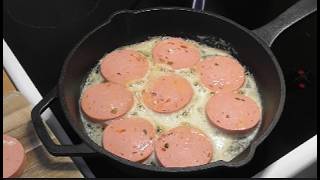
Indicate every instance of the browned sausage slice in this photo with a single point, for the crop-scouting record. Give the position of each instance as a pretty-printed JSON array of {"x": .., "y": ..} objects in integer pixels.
[
  {"x": 13, "y": 157},
  {"x": 221, "y": 74},
  {"x": 176, "y": 52},
  {"x": 123, "y": 66},
  {"x": 167, "y": 94},
  {"x": 130, "y": 138},
  {"x": 106, "y": 101},
  {"x": 234, "y": 113},
  {"x": 183, "y": 147}
]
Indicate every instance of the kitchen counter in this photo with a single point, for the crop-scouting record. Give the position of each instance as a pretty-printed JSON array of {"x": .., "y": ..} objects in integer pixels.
[{"x": 17, "y": 123}]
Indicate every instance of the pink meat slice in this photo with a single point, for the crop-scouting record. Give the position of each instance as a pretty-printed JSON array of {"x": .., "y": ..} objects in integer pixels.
[
  {"x": 183, "y": 146},
  {"x": 221, "y": 74},
  {"x": 129, "y": 138},
  {"x": 13, "y": 157},
  {"x": 167, "y": 94},
  {"x": 176, "y": 52},
  {"x": 123, "y": 66},
  {"x": 232, "y": 112},
  {"x": 105, "y": 101}
]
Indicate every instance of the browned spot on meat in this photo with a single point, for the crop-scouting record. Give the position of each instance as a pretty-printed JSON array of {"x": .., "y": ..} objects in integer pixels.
[
  {"x": 169, "y": 133},
  {"x": 227, "y": 116},
  {"x": 172, "y": 43},
  {"x": 114, "y": 110},
  {"x": 166, "y": 57},
  {"x": 121, "y": 130},
  {"x": 183, "y": 46},
  {"x": 145, "y": 131},
  {"x": 119, "y": 73},
  {"x": 134, "y": 152},
  {"x": 216, "y": 64},
  {"x": 239, "y": 99},
  {"x": 166, "y": 145},
  {"x": 169, "y": 62},
  {"x": 153, "y": 94}
]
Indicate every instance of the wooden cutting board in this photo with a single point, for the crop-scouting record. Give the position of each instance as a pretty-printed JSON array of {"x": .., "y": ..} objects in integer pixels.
[
  {"x": 40, "y": 164},
  {"x": 7, "y": 84}
]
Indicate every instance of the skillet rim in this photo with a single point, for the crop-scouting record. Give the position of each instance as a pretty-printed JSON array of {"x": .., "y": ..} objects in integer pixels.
[{"x": 252, "y": 147}]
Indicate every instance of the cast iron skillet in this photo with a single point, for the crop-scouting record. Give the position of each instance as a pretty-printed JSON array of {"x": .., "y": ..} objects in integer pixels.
[{"x": 128, "y": 27}]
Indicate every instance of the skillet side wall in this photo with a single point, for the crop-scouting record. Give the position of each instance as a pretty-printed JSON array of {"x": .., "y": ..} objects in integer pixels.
[{"x": 128, "y": 28}]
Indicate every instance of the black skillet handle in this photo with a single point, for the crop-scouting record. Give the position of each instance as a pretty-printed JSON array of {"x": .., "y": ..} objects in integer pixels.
[
  {"x": 54, "y": 149},
  {"x": 269, "y": 32}
]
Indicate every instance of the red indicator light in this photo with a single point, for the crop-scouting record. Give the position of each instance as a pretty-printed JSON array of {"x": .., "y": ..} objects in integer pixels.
[
  {"x": 301, "y": 85},
  {"x": 301, "y": 72}
]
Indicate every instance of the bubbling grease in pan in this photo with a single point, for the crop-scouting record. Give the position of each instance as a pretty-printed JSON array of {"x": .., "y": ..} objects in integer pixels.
[{"x": 225, "y": 146}]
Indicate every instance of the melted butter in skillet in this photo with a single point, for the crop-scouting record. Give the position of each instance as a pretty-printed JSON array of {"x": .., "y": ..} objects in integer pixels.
[{"x": 226, "y": 146}]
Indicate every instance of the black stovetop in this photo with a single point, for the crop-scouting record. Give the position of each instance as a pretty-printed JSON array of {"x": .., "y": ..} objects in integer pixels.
[{"x": 41, "y": 33}]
